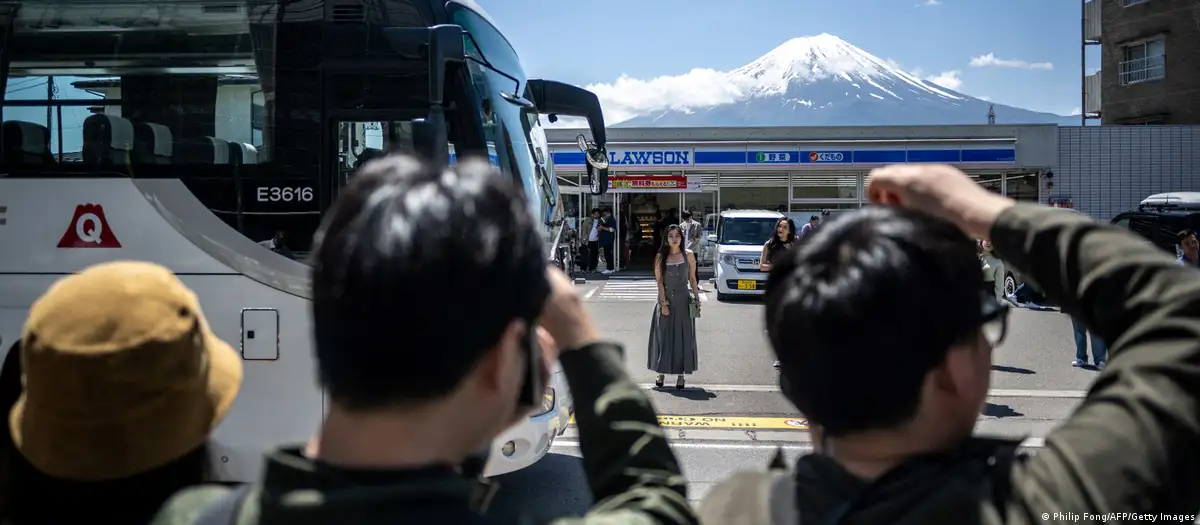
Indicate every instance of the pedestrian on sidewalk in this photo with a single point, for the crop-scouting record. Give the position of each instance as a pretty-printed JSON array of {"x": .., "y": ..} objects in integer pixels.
[
  {"x": 782, "y": 241},
  {"x": 590, "y": 229},
  {"x": 1099, "y": 349},
  {"x": 607, "y": 237},
  {"x": 672, "y": 348},
  {"x": 1189, "y": 248}
]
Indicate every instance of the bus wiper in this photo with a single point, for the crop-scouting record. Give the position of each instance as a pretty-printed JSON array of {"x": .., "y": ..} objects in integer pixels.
[{"x": 477, "y": 56}]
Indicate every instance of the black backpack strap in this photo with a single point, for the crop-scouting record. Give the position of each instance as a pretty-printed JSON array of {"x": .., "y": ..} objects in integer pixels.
[{"x": 225, "y": 511}]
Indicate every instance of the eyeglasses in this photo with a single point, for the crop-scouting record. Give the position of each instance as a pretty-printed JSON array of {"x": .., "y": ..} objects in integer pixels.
[{"x": 994, "y": 319}]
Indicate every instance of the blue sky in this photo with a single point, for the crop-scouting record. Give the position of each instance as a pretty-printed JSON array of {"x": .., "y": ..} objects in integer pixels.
[{"x": 1033, "y": 45}]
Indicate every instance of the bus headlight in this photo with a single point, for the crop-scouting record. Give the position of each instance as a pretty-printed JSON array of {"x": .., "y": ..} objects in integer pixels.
[{"x": 547, "y": 403}]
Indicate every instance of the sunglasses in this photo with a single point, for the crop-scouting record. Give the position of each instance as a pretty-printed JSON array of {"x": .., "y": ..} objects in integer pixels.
[{"x": 993, "y": 319}]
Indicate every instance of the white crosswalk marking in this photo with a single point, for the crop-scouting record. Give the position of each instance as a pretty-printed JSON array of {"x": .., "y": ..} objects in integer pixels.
[{"x": 639, "y": 290}]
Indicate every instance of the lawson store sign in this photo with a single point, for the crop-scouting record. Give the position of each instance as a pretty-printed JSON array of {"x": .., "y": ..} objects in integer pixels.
[{"x": 801, "y": 157}]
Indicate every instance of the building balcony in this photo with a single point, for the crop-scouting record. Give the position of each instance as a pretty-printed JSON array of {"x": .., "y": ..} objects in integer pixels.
[
  {"x": 1092, "y": 91},
  {"x": 1139, "y": 70},
  {"x": 1092, "y": 28}
]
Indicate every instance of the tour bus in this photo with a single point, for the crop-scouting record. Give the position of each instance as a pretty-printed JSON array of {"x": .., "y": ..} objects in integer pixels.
[{"x": 210, "y": 135}]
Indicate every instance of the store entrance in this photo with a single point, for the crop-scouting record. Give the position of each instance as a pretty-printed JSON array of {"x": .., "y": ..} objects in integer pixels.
[{"x": 648, "y": 214}]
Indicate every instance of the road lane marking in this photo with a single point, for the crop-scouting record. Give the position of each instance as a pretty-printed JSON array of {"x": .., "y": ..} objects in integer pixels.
[
  {"x": 733, "y": 422},
  {"x": 590, "y": 293},
  {"x": 995, "y": 392},
  {"x": 1030, "y": 443},
  {"x": 639, "y": 290}
]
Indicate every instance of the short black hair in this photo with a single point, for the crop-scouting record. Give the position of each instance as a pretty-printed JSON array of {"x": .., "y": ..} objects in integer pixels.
[
  {"x": 1184, "y": 234},
  {"x": 595, "y": 210},
  {"x": 686, "y": 215},
  {"x": 861, "y": 311},
  {"x": 814, "y": 218},
  {"x": 402, "y": 261}
]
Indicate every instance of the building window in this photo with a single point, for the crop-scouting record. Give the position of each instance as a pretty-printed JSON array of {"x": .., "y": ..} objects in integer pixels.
[
  {"x": 1127, "y": 3},
  {"x": 1143, "y": 61}
]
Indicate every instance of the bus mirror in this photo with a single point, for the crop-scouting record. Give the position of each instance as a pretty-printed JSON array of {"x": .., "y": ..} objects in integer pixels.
[
  {"x": 597, "y": 179},
  {"x": 440, "y": 45},
  {"x": 446, "y": 44}
]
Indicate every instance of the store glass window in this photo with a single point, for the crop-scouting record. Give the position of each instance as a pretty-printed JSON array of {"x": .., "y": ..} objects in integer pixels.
[
  {"x": 992, "y": 181},
  {"x": 1022, "y": 186},
  {"x": 825, "y": 185},
  {"x": 754, "y": 191}
]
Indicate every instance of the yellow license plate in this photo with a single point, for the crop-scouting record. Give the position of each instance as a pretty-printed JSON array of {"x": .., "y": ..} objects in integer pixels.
[{"x": 747, "y": 285}]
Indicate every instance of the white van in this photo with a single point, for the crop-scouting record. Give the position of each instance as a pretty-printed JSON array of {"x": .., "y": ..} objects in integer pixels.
[{"x": 738, "y": 244}]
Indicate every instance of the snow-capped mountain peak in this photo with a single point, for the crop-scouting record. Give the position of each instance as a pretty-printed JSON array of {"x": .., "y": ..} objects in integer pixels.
[
  {"x": 819, "y": 80},
  {"x": 808, "y": 59}
]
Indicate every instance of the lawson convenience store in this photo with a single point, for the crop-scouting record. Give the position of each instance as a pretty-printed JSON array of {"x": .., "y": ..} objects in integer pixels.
[{"x": 798, "y": 170}]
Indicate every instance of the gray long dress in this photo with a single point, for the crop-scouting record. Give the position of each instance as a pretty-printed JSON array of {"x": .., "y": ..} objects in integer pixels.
[{"x": 673, "y": 337}]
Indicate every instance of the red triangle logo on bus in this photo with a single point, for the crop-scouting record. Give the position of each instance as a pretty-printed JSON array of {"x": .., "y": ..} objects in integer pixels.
[{"x": 89, "y": 229}]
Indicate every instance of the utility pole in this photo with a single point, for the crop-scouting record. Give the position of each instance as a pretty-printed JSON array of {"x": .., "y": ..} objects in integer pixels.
[
  {"x": 49, "y": 98},
  {"x": 991, "y": 113}
]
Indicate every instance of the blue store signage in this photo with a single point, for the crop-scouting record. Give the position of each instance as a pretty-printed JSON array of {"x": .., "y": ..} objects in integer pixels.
[
  {"x": 826, "y": 157},
  {"x": 726, "y": 157},
  {"x": 650, "y": 158},
  {"x": 773, "y": 157}
]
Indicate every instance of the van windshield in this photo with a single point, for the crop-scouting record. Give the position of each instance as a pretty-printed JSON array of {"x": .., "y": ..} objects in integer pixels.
[{"x": 747, "y": 231}]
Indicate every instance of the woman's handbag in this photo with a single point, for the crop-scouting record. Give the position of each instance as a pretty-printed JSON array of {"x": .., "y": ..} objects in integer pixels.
[{"x": 694, "y": 309}]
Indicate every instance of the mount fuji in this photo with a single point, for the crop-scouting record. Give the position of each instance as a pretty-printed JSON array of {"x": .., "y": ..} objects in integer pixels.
[{"x": 823, "y": 80}]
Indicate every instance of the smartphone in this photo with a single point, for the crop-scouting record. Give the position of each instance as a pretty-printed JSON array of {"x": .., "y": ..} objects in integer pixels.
[{"x": 532, "y": 388}]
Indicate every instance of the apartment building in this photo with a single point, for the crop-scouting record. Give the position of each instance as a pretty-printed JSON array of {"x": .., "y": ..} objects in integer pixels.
[{"x": 1150, "y": 61}]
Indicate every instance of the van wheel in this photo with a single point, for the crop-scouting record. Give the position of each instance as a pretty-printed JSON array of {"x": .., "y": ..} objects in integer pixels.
[
  {"x": 722, "y": 297},
  {"x": 10, "y": 390},
  {"x": 1010, "y": 284}
]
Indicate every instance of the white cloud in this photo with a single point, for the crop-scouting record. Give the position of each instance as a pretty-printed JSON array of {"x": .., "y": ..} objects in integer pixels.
[
  {"x": 629, "y": 97},
  {"x": 947, "y": 79},
  {"x": 990, "y": 60},
  {"x": 1075, "y": 111},
  {"x": 930, "y": 2},
  {"x": 984, "y": 98}
]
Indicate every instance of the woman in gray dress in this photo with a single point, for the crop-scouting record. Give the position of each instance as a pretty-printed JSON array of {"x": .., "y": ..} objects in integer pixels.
[{"x": 673, "y": 330}]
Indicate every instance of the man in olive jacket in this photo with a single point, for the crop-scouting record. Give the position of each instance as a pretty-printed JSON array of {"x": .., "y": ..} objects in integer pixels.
[
  {"x": 902, "y": 453},
  {"x": 416, "y": 389}
]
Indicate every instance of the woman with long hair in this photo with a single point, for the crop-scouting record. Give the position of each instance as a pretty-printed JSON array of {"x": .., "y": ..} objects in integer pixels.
[
  {"x": 672, "y": 347},
  {"x": 780, "y": 242}
]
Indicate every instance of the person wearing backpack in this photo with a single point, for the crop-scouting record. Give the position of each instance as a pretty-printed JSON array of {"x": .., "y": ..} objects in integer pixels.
[
  {"x": 900, "y": 451},
  {"x": 426, "y": 343}
]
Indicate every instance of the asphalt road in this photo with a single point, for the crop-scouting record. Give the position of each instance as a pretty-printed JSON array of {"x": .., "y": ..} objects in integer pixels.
[{"x": 731, "y": 415}]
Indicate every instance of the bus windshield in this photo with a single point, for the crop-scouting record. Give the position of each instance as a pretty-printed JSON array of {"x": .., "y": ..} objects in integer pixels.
[{"x": 263, "y": 109}]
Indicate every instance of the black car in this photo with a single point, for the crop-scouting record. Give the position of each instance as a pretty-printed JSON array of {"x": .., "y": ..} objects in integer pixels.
[{"x": 1161, "y": 217}]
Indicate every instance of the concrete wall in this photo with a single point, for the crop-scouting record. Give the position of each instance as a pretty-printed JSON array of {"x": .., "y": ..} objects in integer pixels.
[
  {"x": 1106, "y": 170},
  {"x": 1174, "y": 97}
]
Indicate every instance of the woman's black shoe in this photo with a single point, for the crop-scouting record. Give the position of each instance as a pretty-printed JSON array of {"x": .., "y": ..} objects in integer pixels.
[{"x": 679, "y": 383}]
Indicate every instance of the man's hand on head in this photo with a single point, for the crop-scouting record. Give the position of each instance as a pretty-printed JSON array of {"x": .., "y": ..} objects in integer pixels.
[{"x": 939, "y": 190}]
